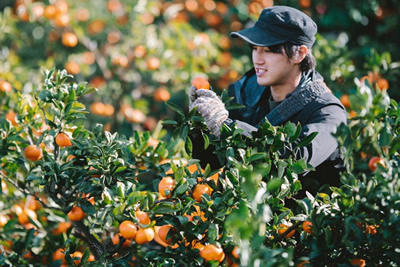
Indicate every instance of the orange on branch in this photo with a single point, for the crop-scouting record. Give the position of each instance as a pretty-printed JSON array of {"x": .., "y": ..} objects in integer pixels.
[
  {"x": 382, "y": 84},
  {"x": 50, "y": 12},
  {"x": 78, "y": 256},
  {"x": 212, "y": 253},
  {"x": 139, "y": 51},
  {"x": 116, "y": 240},
  {"x": 61, "y": 6},
  {"x": 307, "y": 227},
  {"x": 63, "y": 140},
  {"x": 153, "y": 63},
  {"x": 200, "y": 190},
  {"x": 5, "y": 86},
  {"x": 166, "y": 184},
  {"x": 72, "y": 67},
  {"x": 114, "y": 6},
  {"x": 197, "y": 213},
  {"x": 371, "y": 229},
  {"x": 83, "y": 14},
  {"x": 142, "y": 217},
  {"x": 305, "y": 3},
  {"x": 374, "y": 161},
  {"x": 59, "y": 255},
  {"x": 69, "y": 39},
  {"x": 358, "y": 262},
  {"x": 25, "y": 215},
  {"x": 128, "y": 229},
  {"x": 162, "y": 233},
  {"x": 38, "y": 11},
  {"x": 201, "y": 83},
  {"x": 61, "y": 21},
  {"x": 113, "y": 37},
  {"x": 345, "y": 100},
  {"x": 162, "y": 94},
  {"x": 282, "y": 229},
  {"x": 235, "y": 252},
  {"x": 11, "y": 116},
  {"x": 34, "y": 204},
  {"x": 144, "y": 235},
  {"x": 88, "y": 57},
  {"x": 303, "y": 264},
  {"x": 96, "y": 26},
  {"x": 76, "y": 214},
  {"x": 3, "y": 220},
  {"x": 33, "y": 153},
  {"x": 62, "y": 227},
  {"x": 108, "y": 110}
]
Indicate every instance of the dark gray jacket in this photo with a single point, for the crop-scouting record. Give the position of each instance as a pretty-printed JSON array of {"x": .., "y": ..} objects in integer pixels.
[{"x": 312, "y": 105}]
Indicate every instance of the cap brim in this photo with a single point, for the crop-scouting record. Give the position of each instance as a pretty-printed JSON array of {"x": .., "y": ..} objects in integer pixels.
[{"x": 257, "y": 37}]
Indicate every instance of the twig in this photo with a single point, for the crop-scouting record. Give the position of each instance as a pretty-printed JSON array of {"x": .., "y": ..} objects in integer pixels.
[
  {"x": 27, "y": 192},
  {"x": 99, "y": 58},
  {"x": 291, "y": 228},
  {"x": 95, "y": 246}
]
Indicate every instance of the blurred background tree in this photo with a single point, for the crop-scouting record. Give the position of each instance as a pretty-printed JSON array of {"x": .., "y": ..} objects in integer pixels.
[{"x": 140, "y": 54}]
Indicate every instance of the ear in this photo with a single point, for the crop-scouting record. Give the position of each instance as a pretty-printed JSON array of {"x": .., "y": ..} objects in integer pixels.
[{"x": 300, "y": 54}]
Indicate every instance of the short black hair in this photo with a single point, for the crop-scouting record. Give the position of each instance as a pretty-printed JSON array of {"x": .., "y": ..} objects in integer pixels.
[{"x": 290, "y": 49}]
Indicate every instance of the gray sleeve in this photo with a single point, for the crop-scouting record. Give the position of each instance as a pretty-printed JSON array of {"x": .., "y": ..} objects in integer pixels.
[
  {"x": 324, "y": 121},
  {"x": 247, "y": 128}
]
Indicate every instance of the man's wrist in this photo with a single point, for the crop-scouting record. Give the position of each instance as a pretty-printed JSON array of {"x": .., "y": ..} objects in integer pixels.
[{"x": 229, "y": 122}]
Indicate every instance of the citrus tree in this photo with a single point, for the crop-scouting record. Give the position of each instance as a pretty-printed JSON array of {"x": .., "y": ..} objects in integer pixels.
[{"x": 92, "y": 177}]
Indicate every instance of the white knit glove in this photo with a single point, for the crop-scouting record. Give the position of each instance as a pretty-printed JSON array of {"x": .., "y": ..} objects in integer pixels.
[
  {"x": 192, "y": 96},
  {"x": 210, "y": 107}
]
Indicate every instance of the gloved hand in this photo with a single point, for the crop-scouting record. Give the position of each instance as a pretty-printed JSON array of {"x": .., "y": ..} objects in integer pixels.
[
  {"x": 192, "y": 96},
  {"x": 211, "y": 108}
]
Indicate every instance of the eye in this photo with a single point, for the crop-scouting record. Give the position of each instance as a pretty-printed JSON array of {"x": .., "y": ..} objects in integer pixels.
[{"x": 266, "y": 50}]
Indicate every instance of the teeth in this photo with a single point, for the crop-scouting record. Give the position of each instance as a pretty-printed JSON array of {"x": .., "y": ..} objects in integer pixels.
[{"x": 260, "y": 70}]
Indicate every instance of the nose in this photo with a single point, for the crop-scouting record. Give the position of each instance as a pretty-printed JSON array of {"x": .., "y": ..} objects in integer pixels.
[{"x": 257, "y": 56}]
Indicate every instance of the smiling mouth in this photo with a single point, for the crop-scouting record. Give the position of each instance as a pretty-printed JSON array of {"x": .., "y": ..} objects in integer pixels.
[{"x": 260, "y": 71}]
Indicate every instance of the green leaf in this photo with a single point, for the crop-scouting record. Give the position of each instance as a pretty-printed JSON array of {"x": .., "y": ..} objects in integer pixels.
[
  {"x": 85, "y": 255},
  {"x": 120, "y": 169},
  {"x": 307, "y": 140},
  {"x": 206, "y": 140},
  {"x": 274, "y": 184},
  {"x": 165, "y": 208},
  {"x": 87, "y": 207},
  {"x": 257, "y": 156},
  {"x": 235, "y": 106},
  {"x": 189, "y": 146},
  {"x": 182, "y": 189},
  {"x": 29, "y": 237},
  {"x": 175, "y": 108},
  {"x": 296, "y": 134},
  {"x": 68, "y": 108},
  {"x": 213, "y": 232},
  {"x": 169, "y": 122},
  {"x": 88, "y": 91},
  {"x": 299, "y": 166},
  {"x": 281, "y": 168},
  {"x": 290, "y": 129},
  {"x": 184, "y": 133}
]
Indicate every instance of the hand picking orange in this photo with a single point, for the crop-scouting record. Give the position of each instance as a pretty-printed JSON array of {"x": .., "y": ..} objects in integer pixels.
[{"x": 201, "y": 83}]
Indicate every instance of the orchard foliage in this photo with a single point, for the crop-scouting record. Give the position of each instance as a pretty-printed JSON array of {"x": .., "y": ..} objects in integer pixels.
[
  {"x": 96, "y": 165},
  {"x": 77, "y": 199}
]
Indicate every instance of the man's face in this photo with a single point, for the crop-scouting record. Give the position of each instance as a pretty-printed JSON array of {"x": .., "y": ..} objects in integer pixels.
[{"x": 273, "y": 69}]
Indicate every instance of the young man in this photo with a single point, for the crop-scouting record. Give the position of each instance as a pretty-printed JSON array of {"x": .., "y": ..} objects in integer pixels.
[{"x": 283, "y": 86}]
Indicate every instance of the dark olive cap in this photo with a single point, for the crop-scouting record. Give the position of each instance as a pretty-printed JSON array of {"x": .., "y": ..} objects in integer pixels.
[{"x": 278, "y": 25}]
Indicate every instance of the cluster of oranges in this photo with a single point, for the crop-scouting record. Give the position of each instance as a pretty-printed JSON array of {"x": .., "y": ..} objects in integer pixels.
[
  {"x": 375, "y": 80},
  {"x": 101, "y": 109},
  {"x": 59, "y": 255}
]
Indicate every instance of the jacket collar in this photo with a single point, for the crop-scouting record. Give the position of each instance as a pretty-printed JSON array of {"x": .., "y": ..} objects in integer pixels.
[{"x": 310, "y": 87}]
